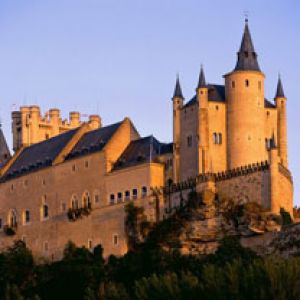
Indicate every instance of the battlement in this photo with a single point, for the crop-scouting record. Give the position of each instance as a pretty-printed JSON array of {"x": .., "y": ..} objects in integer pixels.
[{"x": 29, "y": 126}]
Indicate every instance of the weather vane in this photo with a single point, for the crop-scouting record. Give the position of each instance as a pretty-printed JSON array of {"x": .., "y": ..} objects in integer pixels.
[{"x": 246, "y": 14}]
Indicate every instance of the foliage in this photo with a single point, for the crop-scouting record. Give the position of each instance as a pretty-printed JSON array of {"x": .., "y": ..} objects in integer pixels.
[{"x": 286, "y": 217}]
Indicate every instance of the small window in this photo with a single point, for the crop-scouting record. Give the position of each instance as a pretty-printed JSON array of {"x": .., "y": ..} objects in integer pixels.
[
  {"x": 134, "y": 194},
  {"x": 215, "y": 138},
  {"x": 44, "y": 182},
  {"x": 217, "y": 107},
  {"x": 86, "y": 164},
  {"x": 247, "y": 82},
  {"x": 259, "y": 85},
  {"x": 144, "y": 191},
  {"x": 46, "y": 136},
  {"x": 233, "y": 84},
  {"x": 90, "y": 244},
  {"x": 112, "y": 199},
  {"x": 120, "y": 197},
  {"x": 12, "y": 187},
  {"x": 73, "y": 168},
  {"x": 115, "y": 240},
  {"x": 189, "y": 141},
  {"x": 268, "y": 113},
  {"x": 127, "y": 195},
  {"x": 74, "y": 202},
  {"x": 0, "y": 223},
  {"x": 220, "y": 138},
  {"x": 45, "y": 211},
  {"x": 26, "y": 217}
]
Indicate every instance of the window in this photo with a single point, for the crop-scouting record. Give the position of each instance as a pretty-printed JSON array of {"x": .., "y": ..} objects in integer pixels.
[
  {"x": 90, "y": 244},
  {"x": 46, "y": 136},
  {"x": 127, "y": 195},
  {"x": 12, "y": 218},
  {"x": 115, "y": 240},
  {"x": 120, "y": 197},
  {"x": 217, "y": 107},
  {"x": 86, "y": 200},
  {"x": 74, "y": 202},
  {"x": 217, "y": 138},
  {"x": 189, "y": 141},
  {"x": 0, "y": 223},
  {"x": 73, "y": 168},
  {"x": 112, "y": 199},
  {"x": 86, "y": 164},
  {"x": 233, "y": 84},
  {"x": 144, "y": 191},
  {"x": 26, "y": 217},
  {"x": 43, "y": 182},
  {"x": 45, "y": 212},
  {"x": 12, "y": 187},
  {"x": 247, "y": 82},
  {"x": 259, "y": 85},
  {"x": 134, "y": 194}
]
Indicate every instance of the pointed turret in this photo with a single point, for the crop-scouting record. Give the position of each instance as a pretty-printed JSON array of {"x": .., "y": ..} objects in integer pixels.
[
  {"x": 247, "y": 57},
  {"x": 177, "y": 90},
  {"x": 279, "y": 91},
  {"x": 201, "y": 82}
]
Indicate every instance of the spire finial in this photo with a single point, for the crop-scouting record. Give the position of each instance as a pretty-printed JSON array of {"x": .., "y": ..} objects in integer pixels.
[
  {"x": 201, "y": 82},
  {"x": 247, "y": 57},
  {"x": 177, "y": 90},
  {"x": 246, "y": 15}
]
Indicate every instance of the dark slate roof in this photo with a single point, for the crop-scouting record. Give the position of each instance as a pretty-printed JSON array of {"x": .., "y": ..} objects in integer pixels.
[
  {"x": 279, "y": 91},
  {"x": 4, "y": 151},
  {"x": 93, "y": 141},
  {"x": 215, "y": 93},
  {"x": 247, "y": 57},
  {"x": 143, "y": 150},
  {"x": 177, "y": 90},
  {"x": 269, "y": 104},
  {"x": 39, "y": 155},
  {"x": 201, "y": 82}
]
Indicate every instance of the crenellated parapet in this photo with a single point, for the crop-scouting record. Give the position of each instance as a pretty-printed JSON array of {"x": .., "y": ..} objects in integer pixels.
[{"x": 30, "y": 126}]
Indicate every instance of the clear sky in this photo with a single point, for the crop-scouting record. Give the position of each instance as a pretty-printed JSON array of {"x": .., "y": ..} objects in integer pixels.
[{"x": 120, "y": 57}]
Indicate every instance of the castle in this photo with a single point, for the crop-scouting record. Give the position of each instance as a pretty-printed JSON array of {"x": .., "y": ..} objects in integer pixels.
[{"x": 70, "y": 180}]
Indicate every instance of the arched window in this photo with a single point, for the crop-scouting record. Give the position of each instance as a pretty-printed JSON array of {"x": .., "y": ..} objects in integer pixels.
[
  {"x": 12, "y": 219},
  {"x": 45, "y": 211},
  {"x": 247, "y": 82},
  {"x": 127, "y": 195},
  {"x": 86, "y": 200},
  {"x": 74, "y": 202},
  {"x": 112, "y": 199}
]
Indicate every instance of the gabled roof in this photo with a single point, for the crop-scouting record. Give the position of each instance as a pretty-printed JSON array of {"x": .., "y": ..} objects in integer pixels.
[
  {"x": 38, "y": 156},
  {"x": 247, "y": 57},
  {"x": 216, "y": 93},
  {"x": 143, "y": 150},
  {"x": 4, "y": 151},
  {"x": 43, "y": 154},
  {"x": 93, "y": 141}
]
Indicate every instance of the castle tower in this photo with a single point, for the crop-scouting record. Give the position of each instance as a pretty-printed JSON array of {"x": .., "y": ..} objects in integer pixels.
[
  {"x": 244, "y": 88},
  {"x": 280, "y": 101},
  {"x": 203, "y": 126},
  {"x": 177, "y": 106}
]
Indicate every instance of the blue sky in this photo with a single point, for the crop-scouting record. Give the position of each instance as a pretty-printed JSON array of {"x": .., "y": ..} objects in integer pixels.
[{"x": 120, "y": 58}]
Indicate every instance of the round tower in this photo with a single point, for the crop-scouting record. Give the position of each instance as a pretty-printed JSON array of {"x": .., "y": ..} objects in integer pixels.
[
  {"x": 280, "y": 101},
  {"x": 244, "y": 88},
  {"x": 203, "y": 126},
  {"x": 177, "y": 106}
]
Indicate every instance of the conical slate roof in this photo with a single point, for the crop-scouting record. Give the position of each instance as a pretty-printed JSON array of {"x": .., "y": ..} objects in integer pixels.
[
  {"x": 247, "y": 57},
  {"x": 279, "y": 91},
  {"x": 4, "y": 151},
  {"x": 177, "y": 90},
  {"x": 201, "y": 82}
]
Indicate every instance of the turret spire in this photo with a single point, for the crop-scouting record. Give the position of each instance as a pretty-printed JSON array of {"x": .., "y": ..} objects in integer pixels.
[
  {"x": 177, "y": 90},
  {"x": 279, "y": 91},
  {"x": 201, "y": 82},
  {"x": 247, "y": 57}
]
